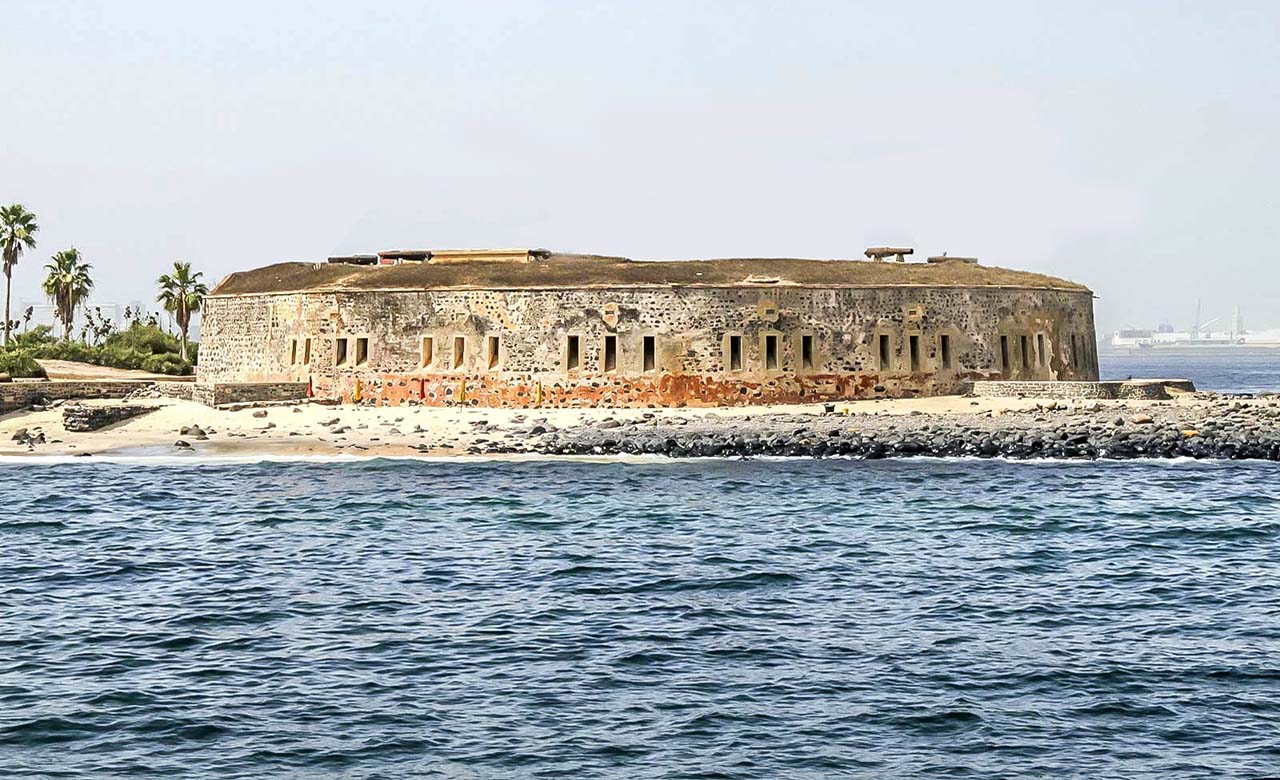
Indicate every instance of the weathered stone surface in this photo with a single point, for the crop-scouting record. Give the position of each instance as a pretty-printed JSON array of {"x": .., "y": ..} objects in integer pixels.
[
  {"x": 17, "y": 395},
  {"x": 1130, "y": 389},
  {"x": 711, "y": 345},
  {"x": 227, "y": 393},
  {"x": 78, "y": 418}
]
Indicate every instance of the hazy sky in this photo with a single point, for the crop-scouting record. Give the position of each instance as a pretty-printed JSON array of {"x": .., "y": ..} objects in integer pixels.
[{"x": 1132, "y": 146}]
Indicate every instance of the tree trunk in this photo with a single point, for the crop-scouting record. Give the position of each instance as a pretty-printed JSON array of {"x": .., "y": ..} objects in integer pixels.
[
  {"x": 184, "y": 321},
  {"x": 8, "y": 286}
]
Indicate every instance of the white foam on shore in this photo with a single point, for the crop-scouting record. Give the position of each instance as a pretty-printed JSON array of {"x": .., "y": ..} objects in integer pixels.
[{"x": 346, "y": 458}]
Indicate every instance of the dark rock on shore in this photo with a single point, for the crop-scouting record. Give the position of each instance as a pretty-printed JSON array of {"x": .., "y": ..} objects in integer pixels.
[{"x": 1213, "y": 427}]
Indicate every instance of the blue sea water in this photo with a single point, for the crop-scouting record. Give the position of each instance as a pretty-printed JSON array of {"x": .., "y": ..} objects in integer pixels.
[
  {"x": 695, "y": 619},
  {"x": 1232, "y": 370}
]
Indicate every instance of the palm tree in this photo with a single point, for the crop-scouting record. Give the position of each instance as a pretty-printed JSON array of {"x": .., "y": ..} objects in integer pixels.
[
  {"x": 67, "y": 285},
  {"x": 17, "y": 232},
  {"x": 182, "y": 293}
]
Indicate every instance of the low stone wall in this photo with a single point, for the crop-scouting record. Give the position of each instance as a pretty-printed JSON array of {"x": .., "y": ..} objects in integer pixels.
[
  {"x": 1154, "y": 389},
  {"x": 1135, "y": 389},
  {"x": 90, "y": 418},
  {"x": 16, "y": 395},
  {"x": 182, "y": 391},
  {"x": 222, "y": 393}
]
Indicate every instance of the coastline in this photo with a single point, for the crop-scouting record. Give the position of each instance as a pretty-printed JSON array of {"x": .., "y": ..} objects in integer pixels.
[{"x": 1194, "y": 426}]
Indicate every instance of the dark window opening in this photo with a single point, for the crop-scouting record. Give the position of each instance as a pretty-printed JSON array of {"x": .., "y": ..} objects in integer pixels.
[
  {"x": 884, "y": 352},
  {"x": 1004, "y": 353},
  {"x": 913, "y": 346},
  {"x": 610, "y": 353},
  {"x": 428, "y": 351},
  {"x": 944, "y": 347},
  {"x": 306, "y": 351},
  {"x": 1075, "y": 352},
  {"x": 1042, "y": 357},
  {"x": 340, "y": 352},
  {"x": 572, "y": 354},
  {"x": 1024, "y": 347},
  {"x": 735, "y": 353},
  {"x": 293, "y": 352},
  {"x": 362, "y": 351},
  {"x": 650, "y": 353},
  {"x": 495, "y": 350},
  {"x": 459, "y": 350},
  {"x": 771, "y": 353},
  {"x": 806, "y": 351}
]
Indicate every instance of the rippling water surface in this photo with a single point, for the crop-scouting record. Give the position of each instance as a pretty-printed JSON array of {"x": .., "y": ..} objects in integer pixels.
[
  {"x": 710, "y": 619},
  {"x": 1228, "y": 370}
]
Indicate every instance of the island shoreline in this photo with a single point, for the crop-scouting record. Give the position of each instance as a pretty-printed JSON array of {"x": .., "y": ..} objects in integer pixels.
[{"x": 1197, "y": 426}]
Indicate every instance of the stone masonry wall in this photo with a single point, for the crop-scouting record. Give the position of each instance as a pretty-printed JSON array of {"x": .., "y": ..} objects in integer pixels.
[
  {"x": 219, "y": 393},
  {"x": 710, "y": 346},
  {"x": 180, "y": 390},
  {"x": 76, "y": 417},
  {"x": 16, "y": 395},
  {"x": 1149, "y": 390}
]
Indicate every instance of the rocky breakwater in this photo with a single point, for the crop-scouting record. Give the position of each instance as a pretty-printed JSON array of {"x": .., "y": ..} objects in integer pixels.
[{"x": 1206, "y": 426}]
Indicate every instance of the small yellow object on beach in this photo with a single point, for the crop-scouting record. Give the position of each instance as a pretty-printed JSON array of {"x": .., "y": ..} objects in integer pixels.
[{"x": 1190, "y": 434}]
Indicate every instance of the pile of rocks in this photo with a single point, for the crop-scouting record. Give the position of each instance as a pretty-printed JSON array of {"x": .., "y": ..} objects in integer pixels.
[
  {"x": 1220, "y": 428},
  {"x": 29, "y": 436}
]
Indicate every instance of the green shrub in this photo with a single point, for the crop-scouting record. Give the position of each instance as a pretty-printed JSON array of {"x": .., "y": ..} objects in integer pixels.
[
  {"x": 19, "y": 362},
  {"x": 140, "y": 347},
  {"x": 165, "y": 364},
  {"x": 144, "y": 338},
  {"x": 39, "y": 336},
  {"x": 67, "y": 350}
]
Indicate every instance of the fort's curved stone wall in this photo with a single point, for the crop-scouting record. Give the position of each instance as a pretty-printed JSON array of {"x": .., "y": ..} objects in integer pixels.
[{"x": 632, "y": 346}]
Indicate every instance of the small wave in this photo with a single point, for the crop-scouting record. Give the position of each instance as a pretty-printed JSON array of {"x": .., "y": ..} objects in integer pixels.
[
  {"x": 1125, "y": 709},
  {"x": 943, "y": 722},
  {"x": 581, "y": 570},
  {"x": 32, "y": 525},
  {"x": 45, "y": 731},
  {"x": 740, "y": 582}
]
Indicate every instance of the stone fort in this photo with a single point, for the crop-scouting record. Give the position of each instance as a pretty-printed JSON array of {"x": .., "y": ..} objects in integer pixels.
[{"x": 524, "y": 328}]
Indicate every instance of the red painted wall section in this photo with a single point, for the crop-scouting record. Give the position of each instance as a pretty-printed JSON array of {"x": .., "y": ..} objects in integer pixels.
[{"x": 665, "y": 390}]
